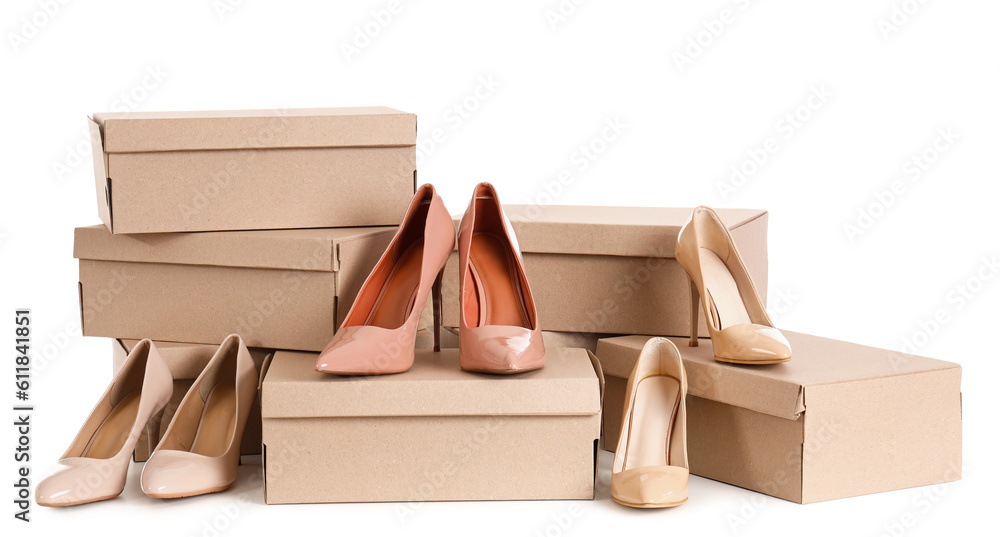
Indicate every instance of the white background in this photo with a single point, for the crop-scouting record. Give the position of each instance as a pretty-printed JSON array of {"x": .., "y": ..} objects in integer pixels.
[{"x": 890, "y": 85}]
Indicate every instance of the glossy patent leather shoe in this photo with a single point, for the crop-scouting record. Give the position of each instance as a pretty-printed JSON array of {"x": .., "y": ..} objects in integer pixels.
[
  {"x": 499, "y": 330},
  {"x": 651, "y": 462},
  {"x": 378, "y": 334},
  {"x": 95, "y": 466},
  {"x": 200, "y": 450},
  {"x": 741, "y": 331}
]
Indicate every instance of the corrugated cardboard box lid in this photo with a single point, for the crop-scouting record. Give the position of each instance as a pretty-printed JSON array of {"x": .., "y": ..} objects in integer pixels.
[
  {"x": 619, "y": 231},
  {"x": 435, "y": 386},
  {"x": 133, "y": 132},
  {"x": 292, "y": 249},
  {"x": 781, "y": 389}
]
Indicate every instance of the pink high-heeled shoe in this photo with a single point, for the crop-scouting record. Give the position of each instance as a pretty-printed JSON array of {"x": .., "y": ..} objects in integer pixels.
[
  {"x": 378, "y": 334},
  {"x": 499, "y": 331}
]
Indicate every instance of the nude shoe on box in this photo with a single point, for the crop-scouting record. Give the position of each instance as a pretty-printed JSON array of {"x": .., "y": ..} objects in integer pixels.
[
  {"x": 498, "y": 330},
  {"x": 379, "y": 333},
  {"x": 651, "y": 462},
  {"x": 95, "y": 466},
  {"x": 200, "y": 450},
  {"x": 741, "y": 331}
]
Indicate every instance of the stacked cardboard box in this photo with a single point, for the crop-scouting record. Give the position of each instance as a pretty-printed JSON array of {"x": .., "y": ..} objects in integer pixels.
[
  {"x": 602, "y": 271},
  {"x": 267, "y": 223},
  {"x": 837, "y": 420},
  {"x": 433, "y": 433},
  {"x": 263, "y": 223}
]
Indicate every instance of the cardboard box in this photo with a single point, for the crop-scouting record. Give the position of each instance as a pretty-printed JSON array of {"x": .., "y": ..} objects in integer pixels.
[
  {"x": 612, "y": 269},
  {"x": 838, "y": 420},
  {"x": 280, "y": 289},
  {"x": 433, "y": 433},
  {"x": 214, "y": 171},
  {"x": 186, "y": 362}
]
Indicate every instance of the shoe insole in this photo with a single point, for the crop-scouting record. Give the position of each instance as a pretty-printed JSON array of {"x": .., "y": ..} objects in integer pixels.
[
  {"x": 218, "y": 421},
  {"x": 656, "y": 401},
  {"x": 497, "y": 283},
  {"x": 725, "y": 302},
  {"x": 395, "y": 299},
  {"x": 115, "y": 429}
]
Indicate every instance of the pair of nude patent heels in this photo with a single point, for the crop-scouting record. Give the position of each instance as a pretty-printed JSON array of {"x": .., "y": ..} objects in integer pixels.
[{"x": 200, "y": 450}]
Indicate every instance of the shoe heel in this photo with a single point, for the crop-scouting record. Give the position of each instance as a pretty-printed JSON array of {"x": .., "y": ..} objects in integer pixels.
[
  {"x": 693, "y": 342},
  {"x": 153, "y": 429},
  {"x": 437, "y": 303}
]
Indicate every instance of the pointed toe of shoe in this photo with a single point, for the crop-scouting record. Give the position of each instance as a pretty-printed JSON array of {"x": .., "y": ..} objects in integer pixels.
[
  {"x": 752, "y": 344},
  {"x": 655, "y": 486},
  {"x": 79, "y": 480},
  {"x": 500, "y": 349},
  {"x": 177, "y": 474},
  {"x": 367, "y": 350}
]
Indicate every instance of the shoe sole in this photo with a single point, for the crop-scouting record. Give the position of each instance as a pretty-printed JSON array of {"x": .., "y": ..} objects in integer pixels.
[
  {"x": 751, "y": 362},
  {"x": 368, "y": 373},
  {"x": 500, "y": 371},
  {"x": 648, "y": 505},
  {"x": 189, "y": 494},
  {"x": 78, "y": 503}
]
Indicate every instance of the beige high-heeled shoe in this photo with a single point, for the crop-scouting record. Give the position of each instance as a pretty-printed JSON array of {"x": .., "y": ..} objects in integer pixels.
[
  {"x": 651, "y": 462},
  {"x": 499, "y": 331},
  {"x": 96, "y": 464},
  {"x": 379, "y": 333},
  {"x": 200, "y": 451},
  {"x": 741, "y": 331}
]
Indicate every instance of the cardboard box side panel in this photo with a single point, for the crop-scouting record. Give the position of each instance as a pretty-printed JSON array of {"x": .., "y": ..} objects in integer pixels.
[
  {"x": 195, "y": 304},
  {"x": 750, "y": 239},
  {"x": 602, "y": 382},
  {"x": 619, "y": 231},
  {"x": 882, "y": 434},
  {"x": 429, "y": 459},
  {"x": 100, "y": 175},
  {"x": 355, "y": 260},
  {"x": 618, "y": 354},
  {"x": 222, "y": 190},
  {"x": 599, "y": 294},
  {"x": 573, "y": 340},
  {"x": 745, "y": 448}
]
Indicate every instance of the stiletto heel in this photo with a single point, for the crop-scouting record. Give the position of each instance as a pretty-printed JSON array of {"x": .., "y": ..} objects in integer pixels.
[
  {"x": 741, "y": 331},
  {"x": 693, "y": 342},
  {"x": 153, "y": 428},
  {"x": 437, "y": 305},
  {"x": 379, "y": 332}
]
